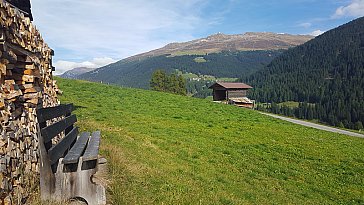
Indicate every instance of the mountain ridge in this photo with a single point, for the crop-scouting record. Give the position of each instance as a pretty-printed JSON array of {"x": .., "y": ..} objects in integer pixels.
[{"x": 249, "y": 41}]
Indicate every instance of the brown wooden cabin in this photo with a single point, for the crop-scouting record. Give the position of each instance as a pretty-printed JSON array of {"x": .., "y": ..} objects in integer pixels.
[
  {"x": 225, "y": 91},
  {"x": 232, "y": 93}
]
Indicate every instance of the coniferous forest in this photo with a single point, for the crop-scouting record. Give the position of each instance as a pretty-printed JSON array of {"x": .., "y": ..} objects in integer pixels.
[{"x": 326, "y": 75}]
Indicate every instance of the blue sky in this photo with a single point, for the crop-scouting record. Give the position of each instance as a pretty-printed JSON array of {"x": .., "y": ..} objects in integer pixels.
[{"x": 94, "y": 33}]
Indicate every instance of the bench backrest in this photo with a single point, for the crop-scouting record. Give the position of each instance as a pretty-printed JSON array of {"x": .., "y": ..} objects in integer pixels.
[
  {"x": 66, "y": 125},
  {"x": 71, "y": 176}
]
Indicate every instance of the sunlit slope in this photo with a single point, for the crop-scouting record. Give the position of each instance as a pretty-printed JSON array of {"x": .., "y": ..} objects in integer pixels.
[{"x": 168, "y": 149}]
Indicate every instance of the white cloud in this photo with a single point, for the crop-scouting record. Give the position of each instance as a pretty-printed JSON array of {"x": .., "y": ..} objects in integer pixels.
[
  {"x": 316, "y": 33},
  {"x": 354, "y": 9},
  {"x": 85, "y": 29},
  {"x": 63, "y": 66}
]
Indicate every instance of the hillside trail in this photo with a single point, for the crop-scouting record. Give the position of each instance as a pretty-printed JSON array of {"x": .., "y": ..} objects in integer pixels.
[{"x": 316, "y": 126}]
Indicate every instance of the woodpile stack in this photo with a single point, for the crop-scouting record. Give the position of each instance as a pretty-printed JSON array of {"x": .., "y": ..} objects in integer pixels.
[{"x": 26, "y": 83}]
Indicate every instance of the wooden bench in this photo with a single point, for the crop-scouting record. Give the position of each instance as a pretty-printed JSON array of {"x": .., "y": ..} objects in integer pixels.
[{"x": 68, "y": 166}]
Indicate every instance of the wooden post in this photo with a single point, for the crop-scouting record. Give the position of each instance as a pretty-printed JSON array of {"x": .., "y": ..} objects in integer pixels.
[{"x": 47, "y": 179}]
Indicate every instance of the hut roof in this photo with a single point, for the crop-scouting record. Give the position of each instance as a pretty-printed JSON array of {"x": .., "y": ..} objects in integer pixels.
[{"x": 231, "y": 85}]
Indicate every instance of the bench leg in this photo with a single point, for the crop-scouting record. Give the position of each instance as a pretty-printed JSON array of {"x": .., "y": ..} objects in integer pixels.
[
  {"x": 47, "y": 178},
  {"x": 71, "y": 185}
]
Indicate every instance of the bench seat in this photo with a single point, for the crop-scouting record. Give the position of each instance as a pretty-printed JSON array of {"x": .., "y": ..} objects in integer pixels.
[{"x": 68, "y": 166}]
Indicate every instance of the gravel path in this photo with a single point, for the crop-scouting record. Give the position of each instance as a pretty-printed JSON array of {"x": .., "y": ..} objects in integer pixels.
[{"x": 317, "y": 126}]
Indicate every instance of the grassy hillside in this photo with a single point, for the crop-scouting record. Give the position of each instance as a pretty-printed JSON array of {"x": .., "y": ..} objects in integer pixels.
[{"x": 167, "y": 149}]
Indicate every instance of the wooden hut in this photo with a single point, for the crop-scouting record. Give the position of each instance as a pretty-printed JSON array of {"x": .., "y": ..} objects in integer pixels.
[
  {"x": 224, "y": 91},
  {"x": 232, "y": 93}
]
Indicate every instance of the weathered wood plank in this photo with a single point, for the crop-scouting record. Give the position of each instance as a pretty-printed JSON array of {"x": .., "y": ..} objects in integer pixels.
[
  {"x": 59, "y": 149},
  {"x": 45, "y": 114},
  {"x": 53, "y": 130},
  {"x": 92, "y": 149},
  {"x": 77, "y": 149}
]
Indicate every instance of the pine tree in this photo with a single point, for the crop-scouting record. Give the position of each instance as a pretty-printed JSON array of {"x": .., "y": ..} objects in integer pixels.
[
  {"x": 310, "y": 113},
  {"x": 359, "y": 125},
  {"x": 158, "y": 81},
  {"x": 172, "y": 85},
  {"x": 182, "y": 85},
  {"x": 341, "y": 125}
]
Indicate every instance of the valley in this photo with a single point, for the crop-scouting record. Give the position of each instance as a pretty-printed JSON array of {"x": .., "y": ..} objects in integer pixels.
[
  {"x": 324, "y": 76},
  {"x": 225, "y": 64},
  {"x": 220, "y": 55},
  {"x": 177, "y": 102}
]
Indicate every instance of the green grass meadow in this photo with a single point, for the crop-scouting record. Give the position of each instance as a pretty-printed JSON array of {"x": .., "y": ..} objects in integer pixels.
[{"x": 168, "y": 149}]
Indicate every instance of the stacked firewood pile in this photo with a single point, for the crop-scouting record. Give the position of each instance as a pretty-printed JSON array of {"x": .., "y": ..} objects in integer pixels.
[{"x": 26, "y": 83}]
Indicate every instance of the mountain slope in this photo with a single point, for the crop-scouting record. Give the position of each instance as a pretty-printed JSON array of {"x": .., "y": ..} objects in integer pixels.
[
  {"x": 167, "y": 149},
  {"x": 222, "y": 56},
  {"x": 74, "y": 73},
  {"x": 226, "y": 64},
  {"x": 327, "y": 71},
  {"x": 250, "y": 41}
]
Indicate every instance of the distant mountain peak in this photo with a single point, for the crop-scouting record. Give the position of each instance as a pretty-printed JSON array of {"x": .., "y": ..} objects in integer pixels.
[
  {"x": 218, "y": 34},
  {"x": 72, "y": 74},
  {"x": 229, "y": 42}
]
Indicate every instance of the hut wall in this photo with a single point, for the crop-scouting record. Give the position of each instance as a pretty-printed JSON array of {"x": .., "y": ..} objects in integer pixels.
[
  {"x": 236, "y": 93},
  {"x": 219, "y": 95},
  {"x": 26, "y": 83}
]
